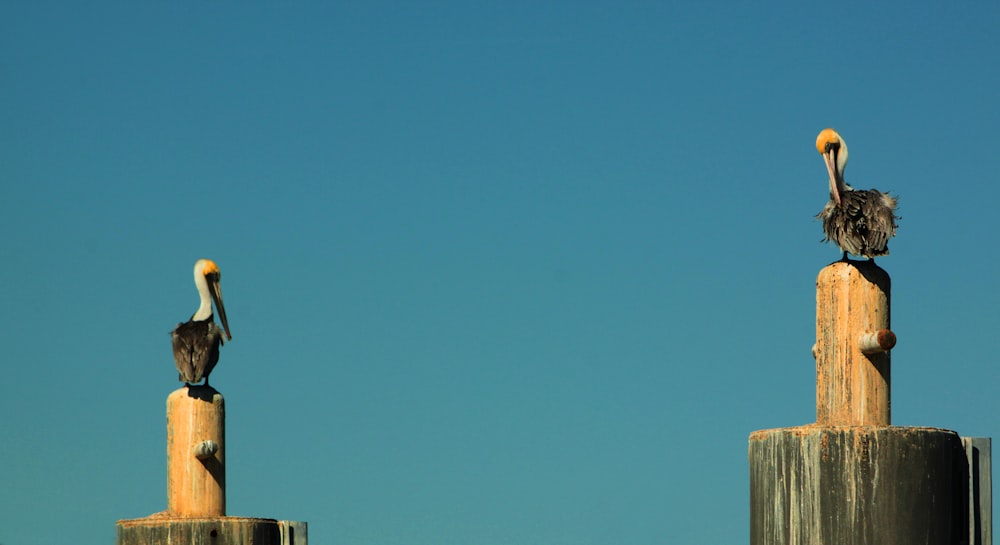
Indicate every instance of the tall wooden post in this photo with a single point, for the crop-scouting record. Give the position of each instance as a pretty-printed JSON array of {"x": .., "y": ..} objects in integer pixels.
[
  {"x": 196, "y": 484},
  {"x": 196, "y": 452},
  {"x": 852, "y": 386},
  {"x": 851, "y": 477}
]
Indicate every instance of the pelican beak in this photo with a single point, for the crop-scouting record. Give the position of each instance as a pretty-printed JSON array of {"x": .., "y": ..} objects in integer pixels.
[
  {"x": 835, "y": 181},
  {"x": 215, "y": 288}
]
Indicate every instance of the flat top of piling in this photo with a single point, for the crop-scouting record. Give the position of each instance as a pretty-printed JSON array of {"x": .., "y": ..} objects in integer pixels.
[
  {"x": 809, "y": 429},
  {"x": 166, "y": 518},
  {"x": 197, "y": 391},
  {"x": 868, "y": 269}
]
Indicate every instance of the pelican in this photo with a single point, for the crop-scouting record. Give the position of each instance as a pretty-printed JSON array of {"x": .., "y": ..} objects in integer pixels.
[
  {"x": 197, "y": 341},
  {"x": 859, "y": 221}
]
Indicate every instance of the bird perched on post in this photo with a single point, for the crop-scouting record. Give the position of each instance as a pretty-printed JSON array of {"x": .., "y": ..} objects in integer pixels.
[
  {"x": 859, "y": 221},
  {"x": 196, "y": 341}
]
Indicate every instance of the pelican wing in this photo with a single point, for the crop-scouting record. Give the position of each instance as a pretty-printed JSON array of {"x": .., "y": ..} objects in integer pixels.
[
  {"x": 196, "y": 349},
  {"x": 862, "y": 224},
  {"x": 880, "y": 209}
]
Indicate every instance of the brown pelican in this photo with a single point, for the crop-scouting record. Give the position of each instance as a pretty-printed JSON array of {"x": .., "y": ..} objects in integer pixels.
[
  {"x": 859, "y": 221},
  {"x": 197, "y": 341}
]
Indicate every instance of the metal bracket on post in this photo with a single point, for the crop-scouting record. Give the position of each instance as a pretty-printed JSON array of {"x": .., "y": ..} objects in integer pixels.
[
  {"x": 205, "y": 450},
  {"x": 880, "y": 341}
]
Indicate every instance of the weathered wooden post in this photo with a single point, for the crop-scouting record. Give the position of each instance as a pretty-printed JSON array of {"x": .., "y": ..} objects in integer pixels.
[
  {"x": 196, "y": 484},
  {"x": 196, "y": 452},
  {"x": 852, "y": 478},
  {"x": 852, "y": 343}
]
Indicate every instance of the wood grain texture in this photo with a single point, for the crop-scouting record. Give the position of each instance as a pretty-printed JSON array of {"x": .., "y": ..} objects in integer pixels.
[
  {"x": 196, "y": 487},
  {"x": 852, "y": 388},
  {"x": 862, "y": 485},
  {"x": 166, "y": 530}
]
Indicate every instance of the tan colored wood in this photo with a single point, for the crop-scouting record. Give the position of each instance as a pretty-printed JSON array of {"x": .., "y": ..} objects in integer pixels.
[
  {"x": 195, "y": 487},
  {"x": 852, "y": 388}
]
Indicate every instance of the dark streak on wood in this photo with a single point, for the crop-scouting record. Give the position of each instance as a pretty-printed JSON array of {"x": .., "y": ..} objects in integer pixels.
[
  {"x": 156, "y": 530},
  {"x": 859, "y": 485}
]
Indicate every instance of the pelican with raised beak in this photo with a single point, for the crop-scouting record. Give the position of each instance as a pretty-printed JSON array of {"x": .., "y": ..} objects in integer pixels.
[
  {"x": 859, "y": 221},
  {"x": 197, "y": 341}
]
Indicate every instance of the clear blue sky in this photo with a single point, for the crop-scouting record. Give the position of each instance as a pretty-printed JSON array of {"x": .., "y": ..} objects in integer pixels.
[{"x": 522, "y": 273}]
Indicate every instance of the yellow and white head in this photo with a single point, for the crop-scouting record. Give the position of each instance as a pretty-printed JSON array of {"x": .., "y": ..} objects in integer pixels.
[
  {"x": 208, "y": 280},
  {"x": 833, "y": 148}
]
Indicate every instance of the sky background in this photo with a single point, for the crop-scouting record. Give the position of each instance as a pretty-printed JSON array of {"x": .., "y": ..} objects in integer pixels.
[{"x": 497, "y": 273}]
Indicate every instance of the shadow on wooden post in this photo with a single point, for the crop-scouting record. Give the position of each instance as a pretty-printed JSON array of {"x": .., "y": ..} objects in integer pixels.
[
  {"x": 852, "y": 380},
  {"x": 196, "y": 452}
]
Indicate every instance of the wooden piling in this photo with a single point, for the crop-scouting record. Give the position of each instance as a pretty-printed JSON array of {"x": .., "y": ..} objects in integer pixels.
[
  {"x": 852, "y": 329},
  {"x": 859, "y": 485},
  {"x": 852, "y": 477},
  {"x": 156, "y": 530},
  {"x": 196, "y": 485},
  {"x": 196, "y": 452}
]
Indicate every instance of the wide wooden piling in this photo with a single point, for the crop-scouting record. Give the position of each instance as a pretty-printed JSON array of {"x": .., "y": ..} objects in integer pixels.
[
  {"x": 859, "y": 485},
  {"x": 852, "y": 332},
  {"x": 196, "y": 452},
  {"x": 157, "y": 530}
]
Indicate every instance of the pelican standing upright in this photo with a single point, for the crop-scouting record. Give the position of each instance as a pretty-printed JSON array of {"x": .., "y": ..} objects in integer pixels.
[
  {"x": 196, "y": 446},
  {"x": 196, "y": 341}
]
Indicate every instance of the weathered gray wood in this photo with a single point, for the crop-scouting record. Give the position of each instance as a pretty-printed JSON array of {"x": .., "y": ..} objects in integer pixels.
[
  {"x": 161, "y": 530},
  {"x": 978, "y": 451},
  {"x": 818, "y": 485},
  {"x": 294, "y": 532}
]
